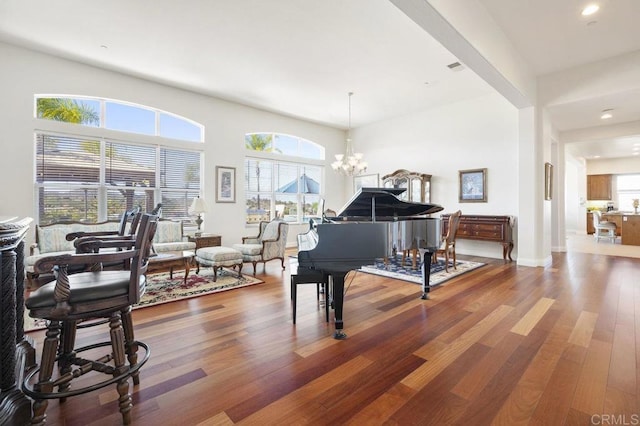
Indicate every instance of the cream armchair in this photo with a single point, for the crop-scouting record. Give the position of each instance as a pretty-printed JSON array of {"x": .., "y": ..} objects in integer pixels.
[{"x": 268, "y": 245}]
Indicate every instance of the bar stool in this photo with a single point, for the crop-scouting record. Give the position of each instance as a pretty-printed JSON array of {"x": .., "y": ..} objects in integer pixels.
[{"x": 72, "y": 298}]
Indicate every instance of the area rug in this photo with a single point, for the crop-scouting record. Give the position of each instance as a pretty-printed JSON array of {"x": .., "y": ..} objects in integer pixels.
[
  {"x": 162, "y": 289},
  {"x": 438, "y": 274}
]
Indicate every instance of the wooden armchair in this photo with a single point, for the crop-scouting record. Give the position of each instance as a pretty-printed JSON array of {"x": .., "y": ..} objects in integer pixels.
[
  {"x": 73, "y": 298},
  {"x": 448, "y": 245},
  {"x": 268, "y": 245}
]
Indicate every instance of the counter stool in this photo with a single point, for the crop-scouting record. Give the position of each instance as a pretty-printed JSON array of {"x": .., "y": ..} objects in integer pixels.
[
  {"x": 217, "y": 257},
  {"x": 73, "y": 298}
]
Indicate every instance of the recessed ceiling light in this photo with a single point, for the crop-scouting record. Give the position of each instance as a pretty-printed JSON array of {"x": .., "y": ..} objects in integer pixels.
[
  {"x": 606, "y": 114},
  {"x": 590, "y": 9},
  {"x": 596, "y": 156},
  {"x": 636, "y": 153}
]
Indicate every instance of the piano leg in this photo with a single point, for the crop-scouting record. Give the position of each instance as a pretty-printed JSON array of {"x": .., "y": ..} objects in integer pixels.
[
  {"x": 337, "y": 292},
  {"x": 426, "y": 273}
]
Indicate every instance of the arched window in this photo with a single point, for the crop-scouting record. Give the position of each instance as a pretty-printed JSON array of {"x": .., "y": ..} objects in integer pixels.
[
  {"x": 284, "y": 177},
  {"x": 85, "y": 175},
  {"x": 118, "y": 115}
]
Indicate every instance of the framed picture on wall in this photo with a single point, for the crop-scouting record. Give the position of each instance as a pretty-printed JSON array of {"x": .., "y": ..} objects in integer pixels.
[
  {"x": 548, "y": 181},
  {"x": 225, "y": 184},
  {"x": 472, "y": 186}
]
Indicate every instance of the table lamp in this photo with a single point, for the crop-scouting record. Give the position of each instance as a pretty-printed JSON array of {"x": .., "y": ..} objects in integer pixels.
[{"x": 198, "y": 207}]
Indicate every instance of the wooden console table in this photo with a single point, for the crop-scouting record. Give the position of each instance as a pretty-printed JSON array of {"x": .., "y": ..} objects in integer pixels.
[
  {"x": 17, "y": 352},
  {"x": 485, "y": 228}
]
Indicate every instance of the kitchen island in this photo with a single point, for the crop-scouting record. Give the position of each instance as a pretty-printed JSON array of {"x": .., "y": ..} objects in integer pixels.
[{"x": 628, "y": 224}]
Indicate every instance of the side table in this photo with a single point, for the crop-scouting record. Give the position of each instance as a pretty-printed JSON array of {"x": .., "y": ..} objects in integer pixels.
[{"x": 205, "y": 240}]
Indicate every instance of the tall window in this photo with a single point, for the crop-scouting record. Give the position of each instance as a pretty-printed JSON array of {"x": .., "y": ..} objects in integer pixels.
[
  {"x": 628, "y": 190},
  {"x": 276, "y": 188},
  {"x": 93, "y": 178}
]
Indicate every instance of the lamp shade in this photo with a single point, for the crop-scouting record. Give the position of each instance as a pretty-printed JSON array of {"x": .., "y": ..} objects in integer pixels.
[{"x": 198, "y": 206}]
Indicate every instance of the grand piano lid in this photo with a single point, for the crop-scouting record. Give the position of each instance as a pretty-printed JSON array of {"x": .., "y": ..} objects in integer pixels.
[{"x": 378, "y": 203}]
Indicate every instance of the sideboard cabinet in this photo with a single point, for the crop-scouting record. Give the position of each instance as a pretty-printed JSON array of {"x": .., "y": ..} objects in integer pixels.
[
  {"x": 417, "y": 185},
  {"x": 484, "y": 228}
]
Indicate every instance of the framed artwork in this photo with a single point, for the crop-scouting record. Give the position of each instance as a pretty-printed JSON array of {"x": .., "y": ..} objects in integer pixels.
[
  {"x": 472, "y": 186},
  {"x": 548, "y": 181},
  {"x": 366, "y": 181},
  {"x": 225, "y": 184}
]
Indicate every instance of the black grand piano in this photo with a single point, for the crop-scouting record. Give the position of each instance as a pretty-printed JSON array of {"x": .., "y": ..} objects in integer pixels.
[{"x": 373, "y": 224}]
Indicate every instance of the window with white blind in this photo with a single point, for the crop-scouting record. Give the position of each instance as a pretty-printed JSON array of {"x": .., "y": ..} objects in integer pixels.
[
  {"x": 95, "y": 179},
  {"x": 89, "y": 177}
]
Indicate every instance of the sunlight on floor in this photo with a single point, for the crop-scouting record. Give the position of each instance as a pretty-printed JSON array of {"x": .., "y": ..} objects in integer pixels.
[{"x": 588, "y": 244}]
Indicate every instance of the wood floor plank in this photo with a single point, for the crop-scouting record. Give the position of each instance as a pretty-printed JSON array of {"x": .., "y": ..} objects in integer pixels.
[
  {"x": 483, "y": 370},
  {"x": 526, "y": 324},
  {"x": 590, "y": 390},
  {"x": 582, "y": 332},
  {"x": 623, "y": 370},
  {"x": 554, "y": 405},
  {"x": 220, "y": 419},
  {"x": 280, "y": 408},
  {"x": 423, "y": 375}
]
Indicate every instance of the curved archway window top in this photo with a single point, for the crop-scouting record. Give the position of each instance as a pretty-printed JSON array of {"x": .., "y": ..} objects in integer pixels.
[
  {"x": 284, "y": 144},
  {"x": 117, "y": 115}
]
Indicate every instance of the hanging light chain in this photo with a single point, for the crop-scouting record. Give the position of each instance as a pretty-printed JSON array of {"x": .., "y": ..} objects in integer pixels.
[{"x": 350, "y": 163}]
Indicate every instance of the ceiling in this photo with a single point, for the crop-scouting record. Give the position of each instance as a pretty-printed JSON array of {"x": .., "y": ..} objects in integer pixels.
[{"x": 302, "y": 57}]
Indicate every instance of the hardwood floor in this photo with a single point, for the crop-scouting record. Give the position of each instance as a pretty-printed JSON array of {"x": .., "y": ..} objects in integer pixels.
[{"x": 502, "y": 345}]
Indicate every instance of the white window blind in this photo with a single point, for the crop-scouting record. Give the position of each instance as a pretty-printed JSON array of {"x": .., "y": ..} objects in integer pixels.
[{"x": 83, "y": 179}]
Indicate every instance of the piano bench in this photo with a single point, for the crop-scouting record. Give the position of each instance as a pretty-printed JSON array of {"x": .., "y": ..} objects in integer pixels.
[
  {"x": 217, "y": 257},
  {"x": 317, "y": 278}
]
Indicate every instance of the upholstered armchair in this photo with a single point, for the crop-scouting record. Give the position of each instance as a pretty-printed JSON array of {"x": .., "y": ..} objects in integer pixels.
[{"x": 268, "y": 245}]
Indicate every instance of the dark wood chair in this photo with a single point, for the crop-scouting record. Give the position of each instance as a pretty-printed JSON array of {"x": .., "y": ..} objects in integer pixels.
[
  {"x": 448, "y": 245},
  {"x": 72, "y": 298}
]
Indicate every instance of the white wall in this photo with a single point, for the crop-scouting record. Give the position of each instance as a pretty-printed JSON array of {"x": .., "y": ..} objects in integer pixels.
[
  {"x": 24, "y": 73},
  {"x": 480, "y": 133}
]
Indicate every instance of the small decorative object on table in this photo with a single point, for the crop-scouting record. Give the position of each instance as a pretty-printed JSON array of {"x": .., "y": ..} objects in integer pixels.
[{"x": 636, "y": 201}]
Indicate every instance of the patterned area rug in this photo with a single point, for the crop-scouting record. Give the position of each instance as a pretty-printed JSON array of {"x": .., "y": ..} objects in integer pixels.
[
  {"x": 438, "y": 275},
  {"x": 162, "y": 289}
]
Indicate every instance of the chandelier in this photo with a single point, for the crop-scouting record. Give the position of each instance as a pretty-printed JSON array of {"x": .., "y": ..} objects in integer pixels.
[{"x": 349, "y": 163}]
